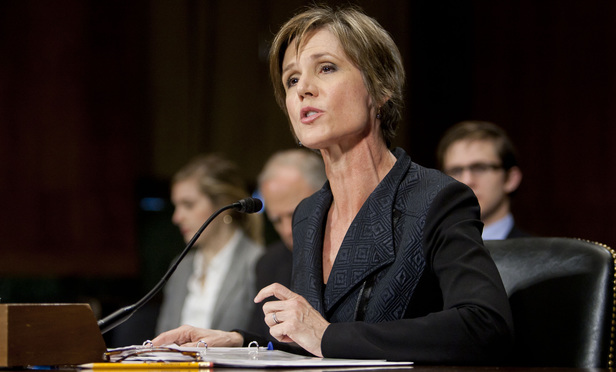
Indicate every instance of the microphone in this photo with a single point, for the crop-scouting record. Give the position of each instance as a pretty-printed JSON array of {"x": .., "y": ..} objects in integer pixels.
[{"x": 246, "y": 205}]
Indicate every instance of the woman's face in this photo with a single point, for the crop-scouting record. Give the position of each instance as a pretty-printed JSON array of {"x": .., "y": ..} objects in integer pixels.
[
  {"x": 192, "y": 207},
  {"x": 327, "y": 102}
]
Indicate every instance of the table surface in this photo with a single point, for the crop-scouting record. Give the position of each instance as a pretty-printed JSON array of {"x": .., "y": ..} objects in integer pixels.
[{"x": 415, "y": 368}]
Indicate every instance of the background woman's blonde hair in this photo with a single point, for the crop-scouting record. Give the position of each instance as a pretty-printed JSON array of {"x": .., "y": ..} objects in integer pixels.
[
  {"x": 367, "y": 45},
  {"x": 220, "y": 180}
]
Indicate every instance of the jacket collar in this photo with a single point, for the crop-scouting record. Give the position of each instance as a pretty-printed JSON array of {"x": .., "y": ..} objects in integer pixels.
[{"x": 367, "y": 246}]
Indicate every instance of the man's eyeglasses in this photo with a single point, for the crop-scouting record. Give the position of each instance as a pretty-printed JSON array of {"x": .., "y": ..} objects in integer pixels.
[{"x": 476, "y": 169}]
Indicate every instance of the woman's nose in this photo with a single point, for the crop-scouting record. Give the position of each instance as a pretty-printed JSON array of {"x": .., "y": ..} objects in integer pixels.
[
  {"x": 306, "y": 87},
  {"x": 176, "y": 217}
]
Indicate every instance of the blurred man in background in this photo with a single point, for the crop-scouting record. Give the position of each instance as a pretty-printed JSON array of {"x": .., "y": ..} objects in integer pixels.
[
  {"x": 287, "y": 178},
  {"x": 481, "y": 155}
]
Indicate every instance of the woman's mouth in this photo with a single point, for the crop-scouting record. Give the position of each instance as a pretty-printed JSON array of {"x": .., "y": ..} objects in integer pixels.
[{"x": 309, "y": 114}]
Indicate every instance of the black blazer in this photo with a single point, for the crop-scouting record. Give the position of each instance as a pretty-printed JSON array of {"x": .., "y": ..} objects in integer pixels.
[
  {"x": 412, "y": 280},
  {"x": 273, "y": 267},
  {"x": 517, "y": 233}
]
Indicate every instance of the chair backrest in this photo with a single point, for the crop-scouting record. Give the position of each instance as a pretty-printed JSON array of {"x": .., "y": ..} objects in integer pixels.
[{"x": 561, "y": 292}]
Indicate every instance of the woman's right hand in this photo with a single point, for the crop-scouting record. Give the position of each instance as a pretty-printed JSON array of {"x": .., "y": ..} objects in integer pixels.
[
  {"x": 293, "y": 318},
  {"x": 189, "y": 336}
]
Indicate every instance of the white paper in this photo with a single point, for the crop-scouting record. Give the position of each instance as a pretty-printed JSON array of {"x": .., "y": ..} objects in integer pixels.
[{"x": 260, "y": 357}]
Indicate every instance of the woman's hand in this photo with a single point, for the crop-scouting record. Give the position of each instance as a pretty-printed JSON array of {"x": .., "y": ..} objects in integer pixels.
[
  {"x": 292, "y": 319},
  {"x": 189, "y": 336}
]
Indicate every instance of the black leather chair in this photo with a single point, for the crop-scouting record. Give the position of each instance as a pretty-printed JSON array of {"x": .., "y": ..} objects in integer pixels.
[{"x": 561, "y": 292}]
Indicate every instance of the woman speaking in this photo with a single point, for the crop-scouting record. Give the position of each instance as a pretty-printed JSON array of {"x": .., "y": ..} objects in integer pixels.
[{"x": 388, "y": 257}]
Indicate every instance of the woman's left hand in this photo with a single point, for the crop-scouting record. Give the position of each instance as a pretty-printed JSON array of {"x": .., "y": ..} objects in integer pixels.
[{"x": 292, "y": 319}]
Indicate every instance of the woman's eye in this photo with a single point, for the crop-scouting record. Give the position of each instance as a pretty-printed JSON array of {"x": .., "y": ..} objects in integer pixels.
[
  {"x": 291, "y": 81},
  {"x": 328, "y": 68}
]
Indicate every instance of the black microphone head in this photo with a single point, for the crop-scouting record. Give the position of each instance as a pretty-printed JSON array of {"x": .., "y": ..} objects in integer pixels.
[{"x": 248, "y": 205}]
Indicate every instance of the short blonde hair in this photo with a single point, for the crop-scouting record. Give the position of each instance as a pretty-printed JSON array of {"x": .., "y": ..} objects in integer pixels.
[{"x": 366, "y": 44}]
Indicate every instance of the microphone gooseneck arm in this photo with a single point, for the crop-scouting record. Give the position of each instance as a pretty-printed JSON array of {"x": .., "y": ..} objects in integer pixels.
[{"x": 247, "y": 205}]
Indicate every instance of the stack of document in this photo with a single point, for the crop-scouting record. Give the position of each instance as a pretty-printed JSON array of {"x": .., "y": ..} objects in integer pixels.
[{"x": 242, "y": 357}]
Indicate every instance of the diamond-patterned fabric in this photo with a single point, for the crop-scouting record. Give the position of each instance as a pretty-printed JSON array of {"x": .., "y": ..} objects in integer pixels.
[{"x": 382, "y": 247}]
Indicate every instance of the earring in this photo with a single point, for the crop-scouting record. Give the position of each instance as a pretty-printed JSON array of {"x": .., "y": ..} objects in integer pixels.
[
  {"x": 378, "y": 113},
  {"x": 300, "y": 143},
  {"x": 227, "y": 219}
]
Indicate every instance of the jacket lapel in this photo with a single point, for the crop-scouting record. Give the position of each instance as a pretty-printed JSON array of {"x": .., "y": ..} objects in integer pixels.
[
  {"x": 232, "y": 286},
  {"x": 368, "y": 244},
  {"x": 308, "y": 261}
]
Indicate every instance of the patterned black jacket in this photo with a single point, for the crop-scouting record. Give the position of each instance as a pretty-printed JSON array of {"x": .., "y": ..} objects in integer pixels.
[{"x": 412, "y": 280}]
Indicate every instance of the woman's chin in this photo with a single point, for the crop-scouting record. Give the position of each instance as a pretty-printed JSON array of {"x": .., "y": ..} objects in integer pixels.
[{"x": 313, "y": 143}]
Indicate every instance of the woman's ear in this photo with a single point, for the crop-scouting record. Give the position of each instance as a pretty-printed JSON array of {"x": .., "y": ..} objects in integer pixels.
[
  {"x": 383, "y": 102},
  {"x": 379, "y": 107}
]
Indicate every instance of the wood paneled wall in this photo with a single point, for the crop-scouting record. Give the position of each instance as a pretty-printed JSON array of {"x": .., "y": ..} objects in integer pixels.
[
  {"x": 99, "y": 98},
  {"x": 545, "y": 71},
  {"x": 72, "y": 98}
]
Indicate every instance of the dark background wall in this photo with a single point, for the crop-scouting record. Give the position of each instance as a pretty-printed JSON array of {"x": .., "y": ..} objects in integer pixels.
[{"x": 101, "y": 101}]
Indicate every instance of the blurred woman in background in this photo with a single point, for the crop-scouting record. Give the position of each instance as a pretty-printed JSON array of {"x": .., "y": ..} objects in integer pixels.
[{"x": 215, "y": 283}]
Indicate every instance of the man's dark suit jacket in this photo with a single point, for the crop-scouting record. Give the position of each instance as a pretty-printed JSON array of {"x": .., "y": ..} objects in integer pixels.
[
  {"x": 515, "y": 232},
  {"x": 412, "y": 280},
  {"x": 273, "y": 267}
]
